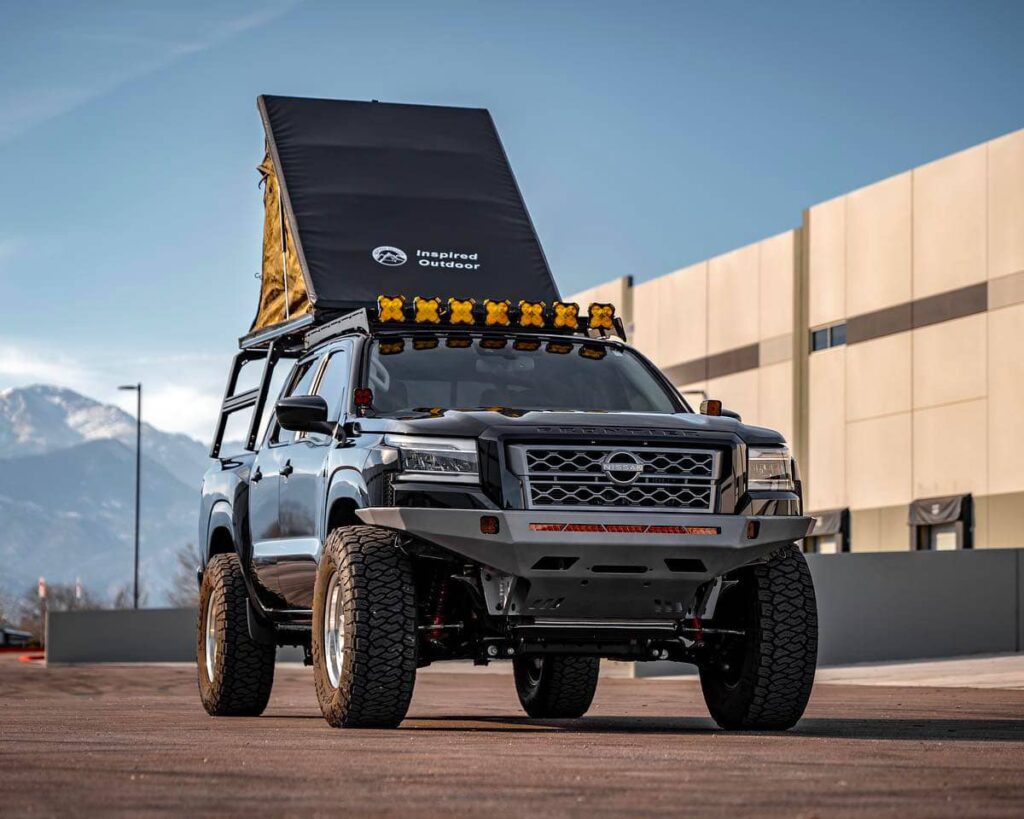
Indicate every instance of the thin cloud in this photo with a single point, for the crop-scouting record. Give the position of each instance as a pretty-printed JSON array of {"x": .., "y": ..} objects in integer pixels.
[{"x": 24, "y": 109}]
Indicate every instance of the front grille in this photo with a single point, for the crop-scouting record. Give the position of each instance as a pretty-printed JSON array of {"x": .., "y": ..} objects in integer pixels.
[{"x": 629, "y": 477}]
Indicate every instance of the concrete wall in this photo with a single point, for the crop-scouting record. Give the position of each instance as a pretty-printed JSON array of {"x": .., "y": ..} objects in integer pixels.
[
  {"x": 121, "y": 636},
  {"x": 915, "y": 605},
  {"x": 127, "y": 636}
]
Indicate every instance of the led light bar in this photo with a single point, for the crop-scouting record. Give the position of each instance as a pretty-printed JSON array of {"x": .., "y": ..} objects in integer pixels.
[
  {"x": 602, "y": 316},
  {"x": 460, "y": 311},
  {"x": 427, "y": 311},
  {"x": 390, "y": 308},
  {"x": 496, "y": 313},
  {"x": 634, "y": 529},
  {"x": 531, "y": 314}
]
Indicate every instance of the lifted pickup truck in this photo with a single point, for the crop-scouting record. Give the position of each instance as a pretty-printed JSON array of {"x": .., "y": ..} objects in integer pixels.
[{"x": 491, "y": 480}]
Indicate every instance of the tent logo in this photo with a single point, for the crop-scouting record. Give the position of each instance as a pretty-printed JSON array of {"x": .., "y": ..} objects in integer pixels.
[{"x": 389, "y": 256}]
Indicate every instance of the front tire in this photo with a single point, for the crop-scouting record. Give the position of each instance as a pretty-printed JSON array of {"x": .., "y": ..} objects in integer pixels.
[
  {"x": 364, "y": 629},
  {"x": 556, "y": 686},
  {"x": 235, "y": 672},
  {"x": 761, "y": 682}
]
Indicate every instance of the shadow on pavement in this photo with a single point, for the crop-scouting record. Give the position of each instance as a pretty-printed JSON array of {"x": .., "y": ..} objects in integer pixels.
[{"x": 964, "y": 730}]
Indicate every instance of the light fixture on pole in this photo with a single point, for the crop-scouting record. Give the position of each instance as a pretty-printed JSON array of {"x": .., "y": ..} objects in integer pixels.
[{"x": 137, "y": 388}]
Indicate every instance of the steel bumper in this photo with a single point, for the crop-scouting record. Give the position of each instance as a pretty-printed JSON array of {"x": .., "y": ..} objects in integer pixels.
[{"x": 617, "y": 571}]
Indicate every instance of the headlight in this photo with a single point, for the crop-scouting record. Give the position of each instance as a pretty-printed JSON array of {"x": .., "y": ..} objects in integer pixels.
[
  {"x": 436, "y": 459},
  {"x": 769, "y": 468}
]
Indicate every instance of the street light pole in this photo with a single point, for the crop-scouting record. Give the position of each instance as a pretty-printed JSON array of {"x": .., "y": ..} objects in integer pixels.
[{"x": 137, "y": 388}]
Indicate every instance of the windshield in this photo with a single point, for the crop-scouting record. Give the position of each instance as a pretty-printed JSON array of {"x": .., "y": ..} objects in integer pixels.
[{"x": 460, "y": 372}]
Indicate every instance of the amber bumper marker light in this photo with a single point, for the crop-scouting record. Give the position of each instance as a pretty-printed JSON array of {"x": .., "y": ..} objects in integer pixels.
[
  {"x": 427, "y": 311},
  {"x": 567, "y": 315},
  {"x": 496, "y": 313},
  {"x": 390, "y": 308},
  {"x": 602, "y": 316},
  {"x": 531, "y": 314},
  {"x": 460, "y": 311},
  {"x": 489, "y": 525}
]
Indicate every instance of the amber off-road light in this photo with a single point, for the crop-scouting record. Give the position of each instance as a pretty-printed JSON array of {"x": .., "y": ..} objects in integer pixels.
[
  {"x": 427, "y": 311},
  {"x": 390, "y": 308},
  {"x": 602, "y": 316},
  {"x": 460, "y": 311},
  {"x": 559, "y": 347},
  {"x": 496, "y": 313},
  {"x": 531, "y": 314},
  {"x": 567, "y": 315},
  {"x": 392, "y": 347},
  {"x": 458, "y": 342},
  {"x": 493, "y": 343},
  {"x": 595, "y": 352},
  {"x": 528, "y": 345},
  {"x": 425, "y": 343},
  {"x": 362, "y": 397}
]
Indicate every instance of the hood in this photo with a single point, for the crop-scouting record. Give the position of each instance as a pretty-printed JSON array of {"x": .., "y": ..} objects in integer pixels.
[{"x": 474, "y": 423}]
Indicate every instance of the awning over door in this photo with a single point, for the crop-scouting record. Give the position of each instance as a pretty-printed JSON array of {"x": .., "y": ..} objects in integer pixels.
[
  {"x": 830, "y": 522},
  {"x": 933, "y": 511}
]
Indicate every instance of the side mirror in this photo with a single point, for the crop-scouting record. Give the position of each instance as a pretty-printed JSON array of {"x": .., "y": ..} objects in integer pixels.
[
  {"x": 712, "y": 406},
  {"x": 304, "y": 413}
]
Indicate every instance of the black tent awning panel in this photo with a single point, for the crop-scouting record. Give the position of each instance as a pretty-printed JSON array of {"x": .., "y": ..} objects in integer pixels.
[{"x": 402, "y": 199}]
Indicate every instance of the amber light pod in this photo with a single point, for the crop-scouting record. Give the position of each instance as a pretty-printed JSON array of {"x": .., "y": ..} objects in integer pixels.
[
  {"x": 710, "y": 406},
  {"x": 424, "y": 343},
  {"x": 594, "y": 352},
  {"x": 427, "y": 311},
  {"x": 392, "y": 347},
  {"x": 458, "y": 342},
  {"x": 528, "y": 345},
  {"x": 390, "y": 308},
  {"x": 493, "y": 343},
  {"x": 602, "y": 316},
  {"x": 363, "y": 397},
  {"x": 489, "y": 525},
  {"x": 531, "y": 314},
  {"x": 460, "y": 311},
  {"x": 559, "y": 347},
  {"x": 496, "y": 313},
  {"x": 567, "y": 315}
]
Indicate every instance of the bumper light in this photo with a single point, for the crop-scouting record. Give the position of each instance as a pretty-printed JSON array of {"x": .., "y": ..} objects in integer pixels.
[{"x": 632, "y": 529}]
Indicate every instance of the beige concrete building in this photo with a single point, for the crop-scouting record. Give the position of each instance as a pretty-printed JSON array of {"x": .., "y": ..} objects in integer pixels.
[{"x": 884, "y": 337}]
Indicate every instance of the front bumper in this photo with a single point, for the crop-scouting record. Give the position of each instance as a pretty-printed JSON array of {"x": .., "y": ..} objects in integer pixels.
[{"x": 604, "y": 574}]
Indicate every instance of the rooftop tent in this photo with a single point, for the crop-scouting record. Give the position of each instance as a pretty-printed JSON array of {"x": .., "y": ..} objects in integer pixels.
[{"x": 397, "y": 199}]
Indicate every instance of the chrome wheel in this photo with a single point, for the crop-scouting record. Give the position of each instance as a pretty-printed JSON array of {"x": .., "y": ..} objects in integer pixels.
[
  {"x": 334, "y": 631},
  {"x": 211, "y": 640}
]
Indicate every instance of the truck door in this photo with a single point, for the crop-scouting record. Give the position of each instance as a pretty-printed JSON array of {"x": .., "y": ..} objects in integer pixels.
[
  {"x": 264, "y": 489},
  {"x": 303, "y": 485}
]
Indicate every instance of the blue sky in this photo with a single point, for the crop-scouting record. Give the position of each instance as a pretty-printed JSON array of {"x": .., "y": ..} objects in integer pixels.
[{"x": 644, "y": 135}]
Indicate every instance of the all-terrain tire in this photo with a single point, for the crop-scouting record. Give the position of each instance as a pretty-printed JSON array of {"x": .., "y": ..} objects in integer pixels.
[
  {"x": 376, "y": 672},
  {"x": 763, "y": 683},
  {"x": 556, "y": 686},
  {"x": 242, "y": 669}
]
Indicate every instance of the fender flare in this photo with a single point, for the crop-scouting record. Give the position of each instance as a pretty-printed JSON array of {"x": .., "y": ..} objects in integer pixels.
[
  {"x": 342, "y": 488},
  {"x": 221, "y": 517}
]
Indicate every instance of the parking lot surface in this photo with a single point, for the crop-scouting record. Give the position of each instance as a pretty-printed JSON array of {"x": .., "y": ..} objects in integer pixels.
[{"x": 134, "y": 740}]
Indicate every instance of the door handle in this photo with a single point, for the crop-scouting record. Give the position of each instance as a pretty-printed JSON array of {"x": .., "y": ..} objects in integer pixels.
[
  {"x": 256, "y": 477},
  {"x": 287, "y": 469}
]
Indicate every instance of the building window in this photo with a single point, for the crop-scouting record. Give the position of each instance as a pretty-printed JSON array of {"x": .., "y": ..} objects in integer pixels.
[
  {"x": 825, "y": 337},
  {"x": 942, "y": 524},
  {"x": 830, "y": 534}
]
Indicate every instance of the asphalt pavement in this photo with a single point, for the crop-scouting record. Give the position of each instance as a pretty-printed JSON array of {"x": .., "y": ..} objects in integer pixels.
[{"x": 119, "y": 740}]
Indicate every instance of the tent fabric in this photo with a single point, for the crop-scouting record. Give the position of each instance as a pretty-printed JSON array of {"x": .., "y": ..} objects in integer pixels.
[
  {"x": 271, "y": 308},
  {"x": 402, "y": 200},
  {"x": 932, "y": 511}
]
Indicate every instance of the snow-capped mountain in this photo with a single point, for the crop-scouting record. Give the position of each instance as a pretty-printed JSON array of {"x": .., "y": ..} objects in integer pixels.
[
  {"x": 44, "y": 418},
  {"x": 66, "y": 493}
]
